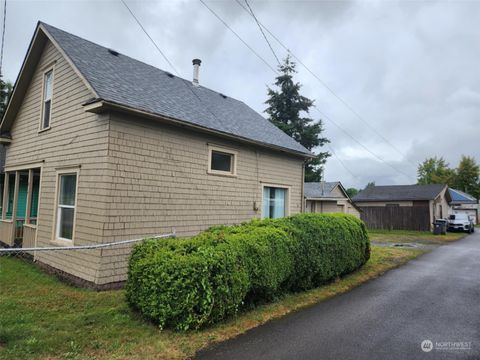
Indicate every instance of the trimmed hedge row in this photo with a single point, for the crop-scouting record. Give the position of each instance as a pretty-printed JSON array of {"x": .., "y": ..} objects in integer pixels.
[{"x": 189, "y": 283}]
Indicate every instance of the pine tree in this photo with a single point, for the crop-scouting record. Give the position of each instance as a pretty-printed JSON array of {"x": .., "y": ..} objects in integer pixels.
[
  {"x": 286, "y": 108},
  {"x": 467, "y": 177}
]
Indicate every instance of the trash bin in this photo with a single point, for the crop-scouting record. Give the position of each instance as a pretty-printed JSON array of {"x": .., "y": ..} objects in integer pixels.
[{"x": 440, "y": 227}]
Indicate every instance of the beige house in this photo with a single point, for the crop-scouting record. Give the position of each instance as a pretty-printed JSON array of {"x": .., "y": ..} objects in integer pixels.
[
  {"x": 403, "y": 207},
  {"x": 328, "y": 197},
  {"x": 107, "y": 148}
]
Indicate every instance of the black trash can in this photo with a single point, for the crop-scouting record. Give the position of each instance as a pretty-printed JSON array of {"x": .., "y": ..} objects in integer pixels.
[{"x": 440, "y": 227}]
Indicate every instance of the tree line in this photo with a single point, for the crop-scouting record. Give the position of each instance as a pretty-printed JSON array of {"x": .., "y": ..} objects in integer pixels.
[{"x": 465, "y": 177}]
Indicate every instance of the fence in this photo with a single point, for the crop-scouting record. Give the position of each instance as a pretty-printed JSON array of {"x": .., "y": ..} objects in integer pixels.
[
  {"x": 397, "y": 217},
  {"x": 100, "y": 266}
]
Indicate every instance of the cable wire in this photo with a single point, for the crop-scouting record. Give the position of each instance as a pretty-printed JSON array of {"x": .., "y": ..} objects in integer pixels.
[
  {"x": 263, "y": 33},
  {"x": 153, "y": 42},
  {"x": 239, "y": 37},
  {"x": 3, "y": 33},
  {"x": 338, "y": 97}
]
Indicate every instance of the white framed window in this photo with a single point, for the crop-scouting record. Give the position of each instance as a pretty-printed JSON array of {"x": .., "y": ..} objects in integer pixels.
[
  {"x": 222, "y": 161},
  {"x": 47, "y": 100},
  {"x": 275, "y": 202},
  {"x": 66, "y": 205}
]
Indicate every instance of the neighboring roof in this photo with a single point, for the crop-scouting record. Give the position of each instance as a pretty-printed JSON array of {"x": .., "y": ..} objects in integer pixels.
[
  {"x": 121, "y": 80},
  {"x": 399, "y": 193},
  {"x": 459, "y": 197},
  {"x": 319, "y": 190}
]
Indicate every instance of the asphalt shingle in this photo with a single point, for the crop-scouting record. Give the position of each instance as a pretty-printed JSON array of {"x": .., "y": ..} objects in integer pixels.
[
  {"x": 317, "y": 190},
  {"x": 399, "y": 193},
  {"x": 132, "y": 83}
]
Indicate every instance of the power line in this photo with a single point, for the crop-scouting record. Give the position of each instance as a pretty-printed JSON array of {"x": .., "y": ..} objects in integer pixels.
[
  {"x": 153, "y": 42},
  {"x": 338, "y": 97},
  {"x": 333, "y": 122},
  {"x": 263, "y": 33},
  {"x": 238, "y": 37},
  {"x": 3, "y": 33},
  {"x": 184, "y": 82},
  {"x": 359, "y": 143},
  {"x": 340, "y": 161}
]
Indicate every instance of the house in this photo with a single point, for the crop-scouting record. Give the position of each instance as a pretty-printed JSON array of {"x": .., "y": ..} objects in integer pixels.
[
  {"x": 328, "y": 197},
  {"x": 109, "y": 148},
  {"x": 403, "y": 207},
  {"x": 463, "y": 203}
]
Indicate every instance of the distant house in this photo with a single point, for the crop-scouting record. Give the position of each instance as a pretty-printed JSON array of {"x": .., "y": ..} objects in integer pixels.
[
  {"x": 101, "y": 148},
  {"x": 328, "y": 197},
  {"x": 463, "y": 203},
  {"x": 403, "y": 207}
]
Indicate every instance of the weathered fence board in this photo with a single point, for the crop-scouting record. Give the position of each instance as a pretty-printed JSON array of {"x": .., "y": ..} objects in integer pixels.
[{"x": 397, "y": 217}]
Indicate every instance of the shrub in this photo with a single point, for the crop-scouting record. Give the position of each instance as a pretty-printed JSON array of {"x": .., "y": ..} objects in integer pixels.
[{"x": 189, "y": 283}]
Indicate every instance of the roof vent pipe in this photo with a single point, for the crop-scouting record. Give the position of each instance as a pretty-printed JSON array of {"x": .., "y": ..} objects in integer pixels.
[{"x": 196, "y": 68}]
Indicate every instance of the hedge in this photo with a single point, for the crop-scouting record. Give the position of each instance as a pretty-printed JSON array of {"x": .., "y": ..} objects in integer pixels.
[{"x": 189, "y": 283}]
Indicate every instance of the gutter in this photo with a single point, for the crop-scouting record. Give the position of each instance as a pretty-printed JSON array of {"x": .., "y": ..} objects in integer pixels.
[{"x": 101, "y": 105}]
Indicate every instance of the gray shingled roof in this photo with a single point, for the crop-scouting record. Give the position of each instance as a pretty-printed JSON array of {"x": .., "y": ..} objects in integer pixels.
[
  {"x": 319, "y": 190},
  {"x": 132, "y": 83},
  {"x": 399, "y": 193}
]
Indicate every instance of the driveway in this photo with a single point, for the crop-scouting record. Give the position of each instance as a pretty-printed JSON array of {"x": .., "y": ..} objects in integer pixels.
[{"x": 435, "y": 297}]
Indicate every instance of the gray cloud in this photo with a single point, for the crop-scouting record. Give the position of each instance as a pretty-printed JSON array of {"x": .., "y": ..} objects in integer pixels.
[{"x": 409, "y": 68}]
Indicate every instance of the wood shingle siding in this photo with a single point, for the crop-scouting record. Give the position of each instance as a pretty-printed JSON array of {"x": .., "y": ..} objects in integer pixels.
[
  {"x": 160, "y": 182},
  {"x": 75, "y": 138},
  {"x": 136, "y": 177}
]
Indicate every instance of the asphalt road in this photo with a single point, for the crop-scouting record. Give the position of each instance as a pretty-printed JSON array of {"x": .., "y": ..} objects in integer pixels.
[{"x": 435, "y": 297}]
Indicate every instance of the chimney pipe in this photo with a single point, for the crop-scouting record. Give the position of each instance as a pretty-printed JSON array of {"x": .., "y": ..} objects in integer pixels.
[{"x": 196, "y": 68}]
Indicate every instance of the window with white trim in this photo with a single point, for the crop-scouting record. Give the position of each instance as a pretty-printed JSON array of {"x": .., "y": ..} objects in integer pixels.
[
  {"x": 66, "y": 205},
  {"x": 47, "y": 99},
  {"x": 274, "y": 202},
  {"x": 221, "y": 161}
]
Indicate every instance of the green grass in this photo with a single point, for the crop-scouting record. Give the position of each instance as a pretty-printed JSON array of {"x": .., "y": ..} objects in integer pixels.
[
  {"x": 399, "y": 236},
  {"x": 41, "y": 317}
]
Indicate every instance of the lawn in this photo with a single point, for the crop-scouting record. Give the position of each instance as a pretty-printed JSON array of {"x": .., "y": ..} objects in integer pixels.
[
  {"x": 41, "y": 317},
  {"x": 406, "y": 236}
]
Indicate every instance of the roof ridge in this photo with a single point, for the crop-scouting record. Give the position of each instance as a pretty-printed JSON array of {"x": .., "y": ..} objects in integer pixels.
[{"x": 141, "y": 61}]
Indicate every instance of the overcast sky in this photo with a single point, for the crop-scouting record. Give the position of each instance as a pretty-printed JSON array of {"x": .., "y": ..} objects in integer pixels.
[{"x": 409, "y": 69}]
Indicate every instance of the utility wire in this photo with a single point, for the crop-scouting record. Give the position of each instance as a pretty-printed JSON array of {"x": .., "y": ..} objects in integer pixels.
[
  {"x": 238, "y": 36},
  {"x": 338, "y": 97},
  {"x": 326, "y": 117},
  {"x": 3, "y": 33},
  {"x": 340, "y": 161},
  {"x": 363, "y": 146},
  {"x": 263, "y": 33},
  {"x": 153, "y": 42},
  {"x": 183, "y": 81}
]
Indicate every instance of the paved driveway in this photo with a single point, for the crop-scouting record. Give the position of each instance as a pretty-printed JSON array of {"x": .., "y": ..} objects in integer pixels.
[{"x": 435, "y": 297}]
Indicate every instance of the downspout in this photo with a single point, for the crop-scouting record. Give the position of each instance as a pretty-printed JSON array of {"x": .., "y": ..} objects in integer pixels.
[{"x": 303, "y": 204}]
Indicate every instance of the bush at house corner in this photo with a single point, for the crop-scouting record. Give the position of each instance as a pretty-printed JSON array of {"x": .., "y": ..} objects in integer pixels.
[{"x": 189, "y": 283}]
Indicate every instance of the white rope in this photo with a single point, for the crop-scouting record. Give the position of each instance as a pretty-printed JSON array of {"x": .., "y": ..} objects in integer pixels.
[{"x": 85, "y": 247}]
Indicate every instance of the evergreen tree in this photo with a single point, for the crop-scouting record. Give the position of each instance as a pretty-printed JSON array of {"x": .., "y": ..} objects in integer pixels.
[
  {"x": 467, "y": 178},
  {"x": 435, "y": 171},
  {"x": 288, "y": 110},
  {"x": 5, "y": 91}
]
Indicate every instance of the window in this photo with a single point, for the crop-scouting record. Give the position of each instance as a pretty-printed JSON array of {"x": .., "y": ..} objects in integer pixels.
[
  {"x": 47, "y": 99},
  {"x": 274, "y": 202},
  {"x": 67, "y": 185},
  {"x": 222, "y": 161}
]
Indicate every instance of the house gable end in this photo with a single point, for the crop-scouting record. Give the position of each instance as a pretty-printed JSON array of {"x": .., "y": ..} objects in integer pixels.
[{"x": 30, "y": 64}]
